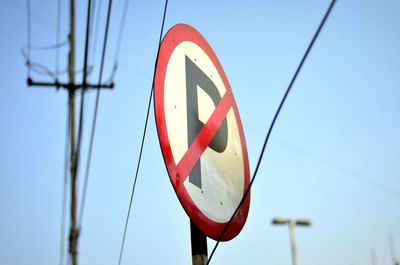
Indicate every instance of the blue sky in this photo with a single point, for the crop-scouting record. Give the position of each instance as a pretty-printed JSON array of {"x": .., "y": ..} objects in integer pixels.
[{"x": 333, "y": 156}]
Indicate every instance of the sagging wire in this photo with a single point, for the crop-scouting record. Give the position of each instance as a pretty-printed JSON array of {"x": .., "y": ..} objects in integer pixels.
[{"x": 322, "y": 23}]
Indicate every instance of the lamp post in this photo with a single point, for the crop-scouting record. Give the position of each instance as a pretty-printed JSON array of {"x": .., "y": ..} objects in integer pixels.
[{"x": 292, "y": 223}]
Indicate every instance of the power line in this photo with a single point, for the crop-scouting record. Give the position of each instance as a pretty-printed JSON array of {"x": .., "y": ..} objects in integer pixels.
[
  {"x": 121, "y": 29},
  {"x": 48, "y": 46},
  {"x": 272, "y": 126},
  {"x": 57, "y": 59},
  {"x": 44, "y": 70},
  {"x": 119, "y": 40},
  {"x": 84, "y": 84},
  {"x": 29, "y": 33},
  {"x": 95, "y": 115},
  {"x": 22, "y": 8},
  {"x": 345, "y": 171},
  {"x": 143, "y": 136},
  {"x": 33, "y": 66},
  {"x": 92, "y": 17},
  {"x": 39, "y": 68},
  {"x": 96, "y": 30},
  {"x": 27, "y": 50},
  {"x": 97, "y": 96}
]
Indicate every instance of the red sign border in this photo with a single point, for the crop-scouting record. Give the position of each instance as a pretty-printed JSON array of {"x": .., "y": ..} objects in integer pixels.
[{"x": 176, "y": 35}]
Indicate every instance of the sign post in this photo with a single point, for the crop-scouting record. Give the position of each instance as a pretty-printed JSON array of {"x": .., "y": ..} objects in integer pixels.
[
  {"x": 199, "y": 245},
  {"x": 201, "y": 137}
]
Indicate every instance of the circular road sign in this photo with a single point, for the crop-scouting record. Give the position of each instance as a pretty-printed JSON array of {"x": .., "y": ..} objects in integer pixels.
[{"x": 200, "y": 133}]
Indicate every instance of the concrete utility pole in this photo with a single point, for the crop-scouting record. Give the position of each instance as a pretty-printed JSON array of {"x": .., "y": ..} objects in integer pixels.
[
  {"x": 292, "y": 223},
  {"x": 71, "y": 86},
  {"x": 74, "y": 231}
]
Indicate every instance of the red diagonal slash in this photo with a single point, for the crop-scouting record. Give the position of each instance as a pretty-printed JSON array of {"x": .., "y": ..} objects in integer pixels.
[{"x": 203, "y": 139}]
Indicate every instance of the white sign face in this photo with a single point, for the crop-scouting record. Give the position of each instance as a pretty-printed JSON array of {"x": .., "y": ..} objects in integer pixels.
[
  {"x": 218, "y": 189},
  {"x": 200, "y": 132}
]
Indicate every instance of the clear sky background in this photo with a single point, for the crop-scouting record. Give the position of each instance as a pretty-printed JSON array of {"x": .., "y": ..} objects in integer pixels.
[{"x": 333, "y": 156}]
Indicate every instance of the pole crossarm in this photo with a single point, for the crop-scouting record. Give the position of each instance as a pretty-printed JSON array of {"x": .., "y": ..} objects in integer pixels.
[{"x": 69, "y": 86}]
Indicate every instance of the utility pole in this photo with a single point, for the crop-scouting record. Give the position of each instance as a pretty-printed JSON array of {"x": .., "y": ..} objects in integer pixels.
[
  {"x": 292, "y": 223},
  {"x": 74, "y": 231},
  {"x": 72, "y": 87}
]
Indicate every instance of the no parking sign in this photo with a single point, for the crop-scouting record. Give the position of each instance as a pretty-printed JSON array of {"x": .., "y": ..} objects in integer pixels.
[{"x": 200, "y": 133}]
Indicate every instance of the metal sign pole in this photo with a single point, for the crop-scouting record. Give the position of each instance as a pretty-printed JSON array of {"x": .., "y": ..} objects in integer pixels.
[{"x": 199, "y": 245}]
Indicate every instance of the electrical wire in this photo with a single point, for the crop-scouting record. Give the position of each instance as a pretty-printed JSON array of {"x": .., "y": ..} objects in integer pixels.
[
  {"x": 322, "y": 23},
  {"x": 96, "y": 31},
  {"x": 29, "y": 34},
  {"x": 95, "y": 115},
  {"x": 119, "y": 40},
  {"x": 40, "y": 69},
  {"x": 121, "y": 29},
  {"x": 44, "y": 70},
  {"x": 57, "y": 59},
  {"x": 84, "y": 87},
  {"x": 339, "y": 168},
  {"x": 92, "y": 16},
  {"x": 143, "y": 136},
  {"x": 48, "y": 47},
  {"x": 89, "y": 70},
  {"x": 22, "y": 8},
  {"x": 27, "y": 50}
]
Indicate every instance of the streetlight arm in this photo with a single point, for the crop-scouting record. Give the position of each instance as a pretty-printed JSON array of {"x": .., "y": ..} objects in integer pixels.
[
  {"x": 280, "y": 221},
  {"x": 303, "y": 222}
]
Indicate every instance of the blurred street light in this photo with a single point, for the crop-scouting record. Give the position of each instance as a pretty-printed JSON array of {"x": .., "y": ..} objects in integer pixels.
[{"x": 292, "y": 223}]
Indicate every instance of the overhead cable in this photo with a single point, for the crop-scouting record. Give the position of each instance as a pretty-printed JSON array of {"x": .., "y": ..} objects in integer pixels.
[
  {"x": 91, "y": 26},
  {"x": 84, "y": 86},
  {"x": 343, "y": 170},
  {"x": 143, "y": 136},
  {"x": 57, "y": 59},
  {"x": 96, "y": 18},
  {"x": 89, "y": 159},
  {"x": 48, "y": 46},
  {"x": 29, "y": 34},
  {"x": 322, "y": 23},
  {"x": 119, "y": 39}
]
